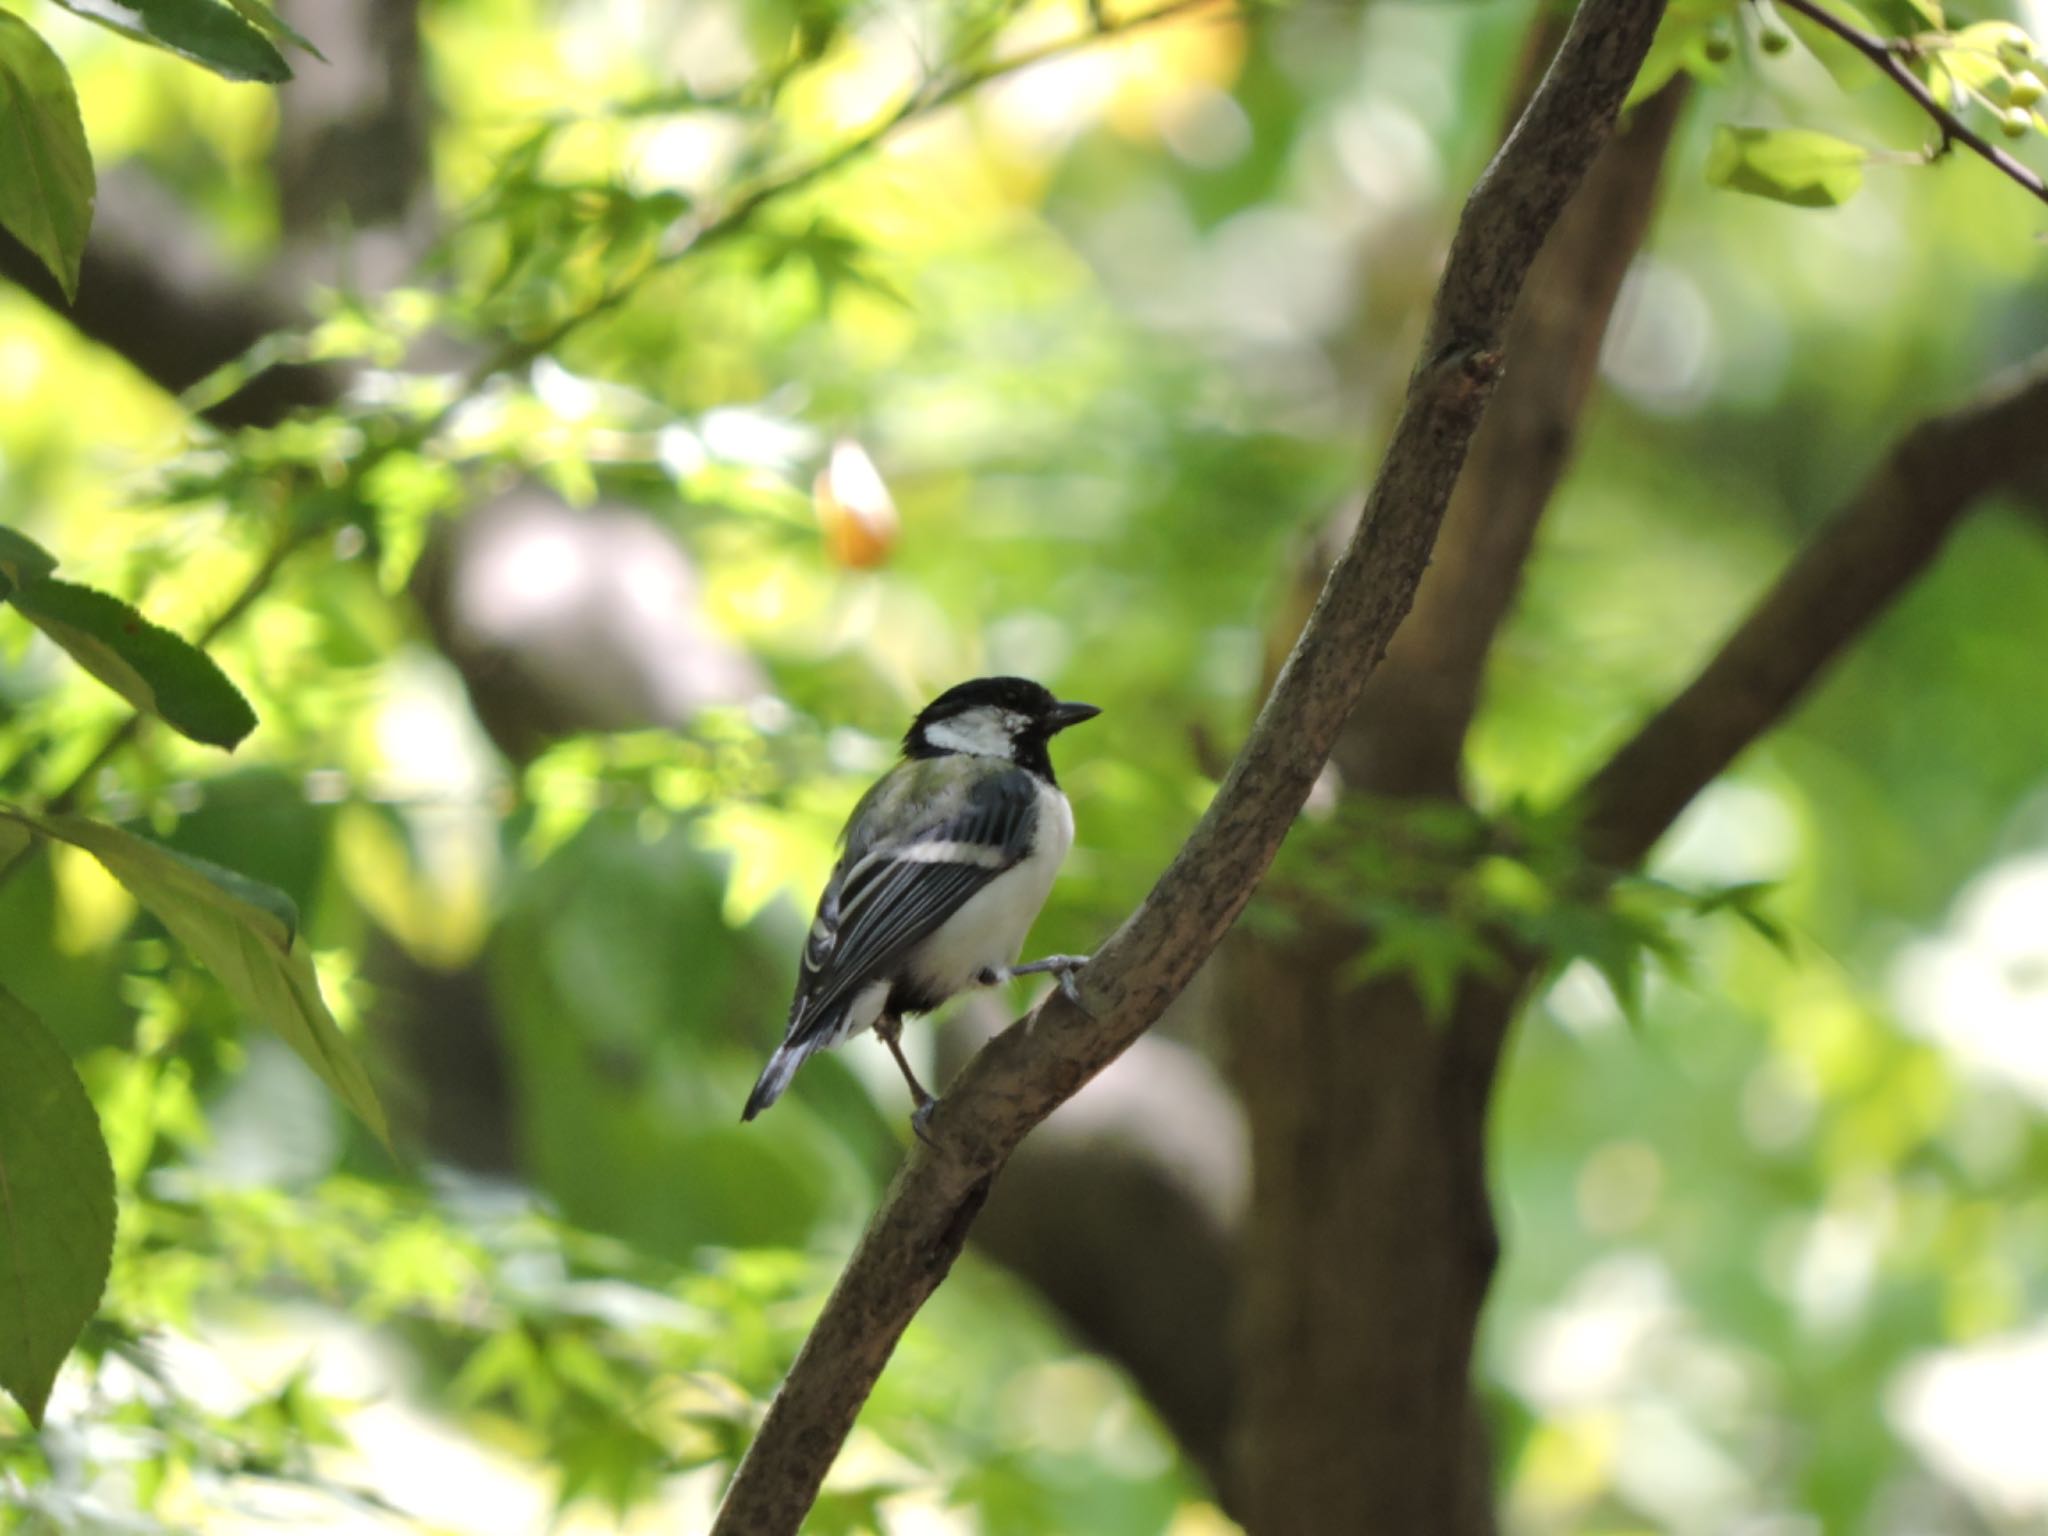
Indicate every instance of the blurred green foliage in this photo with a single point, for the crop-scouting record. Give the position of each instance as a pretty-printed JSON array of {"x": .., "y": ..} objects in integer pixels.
[{"x": 1116, "y": 333}]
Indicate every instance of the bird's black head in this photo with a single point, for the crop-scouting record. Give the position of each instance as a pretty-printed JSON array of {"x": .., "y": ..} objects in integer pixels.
[{"x": 1009, "y": 717}]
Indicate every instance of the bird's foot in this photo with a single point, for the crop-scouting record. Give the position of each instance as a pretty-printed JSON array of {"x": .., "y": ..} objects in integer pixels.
[
  {"x": 890, "y": 1028},
  {"x": 1065, "y": 967}
]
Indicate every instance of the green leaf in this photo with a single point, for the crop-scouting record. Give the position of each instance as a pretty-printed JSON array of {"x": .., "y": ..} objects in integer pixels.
[
  {"x": 1849, "y": 69},
  {"x": 242, "y": 931},
  {"x": 280, "y": 909},
  {"x": 1434, "y": 951},
  {"x": 1790, "y": 165},
  {"x": 1744, "y": 901},
  {"x": 834, "y": 256},
  {"x": 1682, "y": 43},
  {"x": 21, "y": 559},
  {"x": 150, "y": 667},
  {"x": 1611, "y": 946},
  {"x": 203, "y": 31},
  {"x": 1974, "y": 59},
  {"x": 15, "y": 840},
  {"x": 274, "y": 26},
  {"x": 46, "y": 180},
  {"x": 56, "y": 1208},
  {"x": 1906, "y": 16}
]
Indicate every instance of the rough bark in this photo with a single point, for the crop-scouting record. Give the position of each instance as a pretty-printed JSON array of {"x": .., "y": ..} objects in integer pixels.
[
  {"x": 1369, "y": 1245},
  {"x": 1038, "y": 1063}
]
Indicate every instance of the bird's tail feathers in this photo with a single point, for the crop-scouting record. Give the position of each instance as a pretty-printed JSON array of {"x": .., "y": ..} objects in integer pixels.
[
  {"x": 775, "y": 1077},
  {"x": 807, "y": 1033},
  {"x": 804, "y": 1037}
]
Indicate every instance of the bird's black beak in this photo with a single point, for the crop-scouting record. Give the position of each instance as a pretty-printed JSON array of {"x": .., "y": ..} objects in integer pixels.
[{"x": 1060, "y": 716}]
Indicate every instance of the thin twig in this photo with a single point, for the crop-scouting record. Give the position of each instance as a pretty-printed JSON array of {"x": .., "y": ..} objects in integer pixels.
[
  {"x": 927, "y": 98},
  {"x": 1886, "y": 58},
  {"x": 516, "y": 354}
]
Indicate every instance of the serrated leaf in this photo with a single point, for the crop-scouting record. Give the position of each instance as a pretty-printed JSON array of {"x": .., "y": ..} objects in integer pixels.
[
  {"x": 156, "y": 671},
  {"x": 1742, "y": 901},
  {"x": 15, "y": 840},
  {"x": 1434, "y": 952},
  {"x": 1767, "y": 928},
  {"x": 21, "y": 559},
  {"x": 1720, "y": 897},
  {"x": 498, "y": 1365},
  {"x": 242, "y": 931},
  {"x": 46, "y": 178},
  {"x": 56, "y": 1207},
  {"x": 203, "y": 31},
  {"x": 274, "y": 26},
  {"x": 1788, "y": 165},
  {"x": 1579, "y": 934}
]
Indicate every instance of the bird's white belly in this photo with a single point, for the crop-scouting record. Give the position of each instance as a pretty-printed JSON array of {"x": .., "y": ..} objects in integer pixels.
[{"x": 988, "y": 931}]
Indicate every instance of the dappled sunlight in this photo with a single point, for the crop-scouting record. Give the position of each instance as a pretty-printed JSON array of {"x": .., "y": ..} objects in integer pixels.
[
  {"x": 1975, "y": 1413},
  {"x": 749, "y": 372},
  {"x": 1980, "y": 989},
  {"x": 1638, "y": 1402}
]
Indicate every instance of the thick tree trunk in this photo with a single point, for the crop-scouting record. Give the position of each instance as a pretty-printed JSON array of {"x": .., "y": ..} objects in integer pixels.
[
  {"x": 1369, "y": 1245},
  {"x": 1370, "y": 1240}
]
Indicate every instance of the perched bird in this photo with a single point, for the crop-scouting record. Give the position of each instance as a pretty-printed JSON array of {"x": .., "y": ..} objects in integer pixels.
[{"x": 945, "y": 863}]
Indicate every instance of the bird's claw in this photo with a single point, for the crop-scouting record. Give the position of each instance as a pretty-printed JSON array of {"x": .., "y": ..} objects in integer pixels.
[
  {"x": 921, "y": 1119},
  {"x": 1065, "y": 967},
  {"x": 1072, "y": 988}
]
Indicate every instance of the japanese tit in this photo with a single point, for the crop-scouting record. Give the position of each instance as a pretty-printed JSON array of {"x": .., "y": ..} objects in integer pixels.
[{"x": 945, "y": 863}]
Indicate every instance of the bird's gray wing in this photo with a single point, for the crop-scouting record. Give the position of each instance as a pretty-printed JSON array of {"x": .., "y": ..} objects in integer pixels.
[{"x": 886, "y": 897}]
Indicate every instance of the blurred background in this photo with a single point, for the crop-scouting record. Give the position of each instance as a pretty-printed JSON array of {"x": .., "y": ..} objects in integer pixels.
[{"x": 630, "y": 446}]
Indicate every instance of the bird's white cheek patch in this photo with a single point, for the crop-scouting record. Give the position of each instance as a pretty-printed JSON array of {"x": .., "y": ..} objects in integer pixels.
[{"x": 982, "y": 732}]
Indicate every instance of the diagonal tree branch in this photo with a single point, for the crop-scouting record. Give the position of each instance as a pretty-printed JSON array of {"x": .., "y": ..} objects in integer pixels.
[
  {"x": 1145, "y": 1269},
  {"x": 1847, "y": 574},
  {"x": 1873, "y": 548},
  {"x": 1038, "y": 1063}
]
